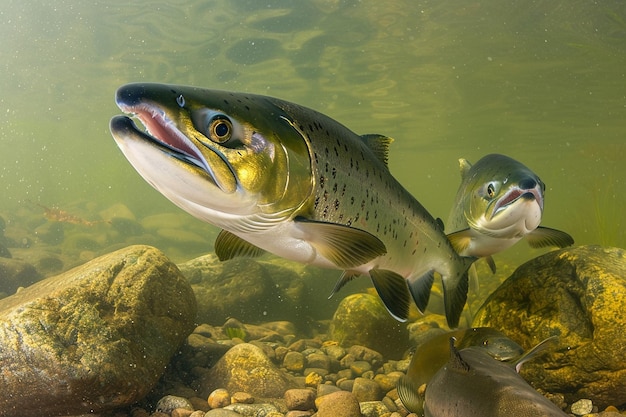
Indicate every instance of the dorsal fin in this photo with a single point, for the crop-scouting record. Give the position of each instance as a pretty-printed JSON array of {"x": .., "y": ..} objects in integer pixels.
[
  {"x": 456, "y": 361},
  {"x": 379, "y": 145},
  {"x": 464, "y": 166}
]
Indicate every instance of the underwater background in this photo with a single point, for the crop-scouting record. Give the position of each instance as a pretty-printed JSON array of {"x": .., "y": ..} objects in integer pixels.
[{"x": 541, "y": 81}]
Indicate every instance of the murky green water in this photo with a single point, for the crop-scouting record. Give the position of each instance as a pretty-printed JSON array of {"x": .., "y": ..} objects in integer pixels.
[{"x": 541, "y": 81}]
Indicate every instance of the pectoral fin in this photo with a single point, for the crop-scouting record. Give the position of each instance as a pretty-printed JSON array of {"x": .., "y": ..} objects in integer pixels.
[
  {"x": 229, "y": 246},
  {"x": 345, "y": 246},
  {"x": 393, "y": 291},
  {"x": 460, "y": 240},
  {"x": 544, "y": 236},
  {"x": 541, "y": 348}
]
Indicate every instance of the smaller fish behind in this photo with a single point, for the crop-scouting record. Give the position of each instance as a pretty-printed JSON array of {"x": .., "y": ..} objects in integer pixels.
[
  {"x": 499, "y": 202},
  {"x": 55, "y": 214},
  {"x": 431, "y": 355},
  {"x": 473, "y": 384}
]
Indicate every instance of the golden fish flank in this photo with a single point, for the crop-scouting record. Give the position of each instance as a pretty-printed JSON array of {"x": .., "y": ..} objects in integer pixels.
[{"x": 279, "y": 177}]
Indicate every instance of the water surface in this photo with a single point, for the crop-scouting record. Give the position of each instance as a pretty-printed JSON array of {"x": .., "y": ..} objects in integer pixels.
[{"x": 541, "y": 81}]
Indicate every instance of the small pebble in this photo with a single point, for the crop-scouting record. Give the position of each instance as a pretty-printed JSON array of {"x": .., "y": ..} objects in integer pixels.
[
  {"x": 294, "y": 361},
  {"x": 366, "y": 390},
  {"x": 300, "y": 399},
  {"x": 318, "y": 360},
  {"x": 336, "y": 352},
  {"x": 299, "y": 413},
  {"x": 181, "y": 412},
  {"x": 313, "y": 379},
  {"x": 340, "y": 403},
  {"x": 360, "y": 367},
  {"x": 325, "y": 389},
  {"x": 219, "y": 398},
  {"x": 242, "y": 398},
  {"x": 169, "y": 403},
  {"x": 582, "y": 407},
  {"x": 373, "y": 408}
]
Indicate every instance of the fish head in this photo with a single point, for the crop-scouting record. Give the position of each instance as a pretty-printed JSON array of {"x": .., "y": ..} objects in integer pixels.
[
  {"x": 506, "y": 198},
  {"x": 220, "y": 156},
  {"x": 494, "y": 342}
]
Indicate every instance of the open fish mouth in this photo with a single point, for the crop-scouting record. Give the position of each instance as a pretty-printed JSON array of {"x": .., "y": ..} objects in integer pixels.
[
  {"x": 162, "y": 133},
  {"x": 516, "y": 194}
]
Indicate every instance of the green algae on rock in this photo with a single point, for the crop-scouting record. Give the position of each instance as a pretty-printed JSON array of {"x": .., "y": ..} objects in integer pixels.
[
  {"x": 361, "y": 319},
  {"x": 578, "y": 294},
  {"x": 94, "y": 338},
  {"x": 245, "y": 367}
]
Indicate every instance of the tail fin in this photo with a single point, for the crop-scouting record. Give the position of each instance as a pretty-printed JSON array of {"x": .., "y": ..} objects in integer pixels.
[{"x": 455, "y": 289}]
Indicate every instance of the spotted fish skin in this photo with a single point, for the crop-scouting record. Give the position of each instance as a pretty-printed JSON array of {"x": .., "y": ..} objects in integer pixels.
[{"x": 282, "y": 178}]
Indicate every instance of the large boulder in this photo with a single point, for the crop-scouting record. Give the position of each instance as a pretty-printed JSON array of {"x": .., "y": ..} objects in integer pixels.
[
  {"x": 253, "y": 290},
  {"x": 240, "y": 288},
  {"x": 94, "y": 338},
  {"x": 578, "y": 294},
  {"x": 361, "y": 319}
]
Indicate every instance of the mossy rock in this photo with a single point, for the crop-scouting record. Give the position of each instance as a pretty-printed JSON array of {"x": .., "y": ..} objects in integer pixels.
[
  {"x": 578, "y": 294},
  {"x": 361, "y": 319},
  {"x": 94, "y": 338}
]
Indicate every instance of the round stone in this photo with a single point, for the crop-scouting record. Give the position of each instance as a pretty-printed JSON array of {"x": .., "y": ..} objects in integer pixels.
[
  {"x": 582, "y": 407},
  {"x": 219, "y": 398}
]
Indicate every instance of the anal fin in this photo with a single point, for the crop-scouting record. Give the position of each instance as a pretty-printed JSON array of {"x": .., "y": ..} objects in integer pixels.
[
  {"x": 420, "y": 289},
  {"x": 393, "y": 291},
  {"x": 454, "y": 299}
]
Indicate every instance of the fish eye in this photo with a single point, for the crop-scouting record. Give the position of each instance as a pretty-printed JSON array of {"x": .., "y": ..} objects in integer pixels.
[
  {"x": 220, "y": 129},
  {"x": 491, "y": 190}
]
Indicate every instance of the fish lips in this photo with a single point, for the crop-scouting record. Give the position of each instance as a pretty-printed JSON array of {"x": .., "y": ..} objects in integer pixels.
[
  {"x": 516, "y": 194},
  {"x": 162, "y": 133}
]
